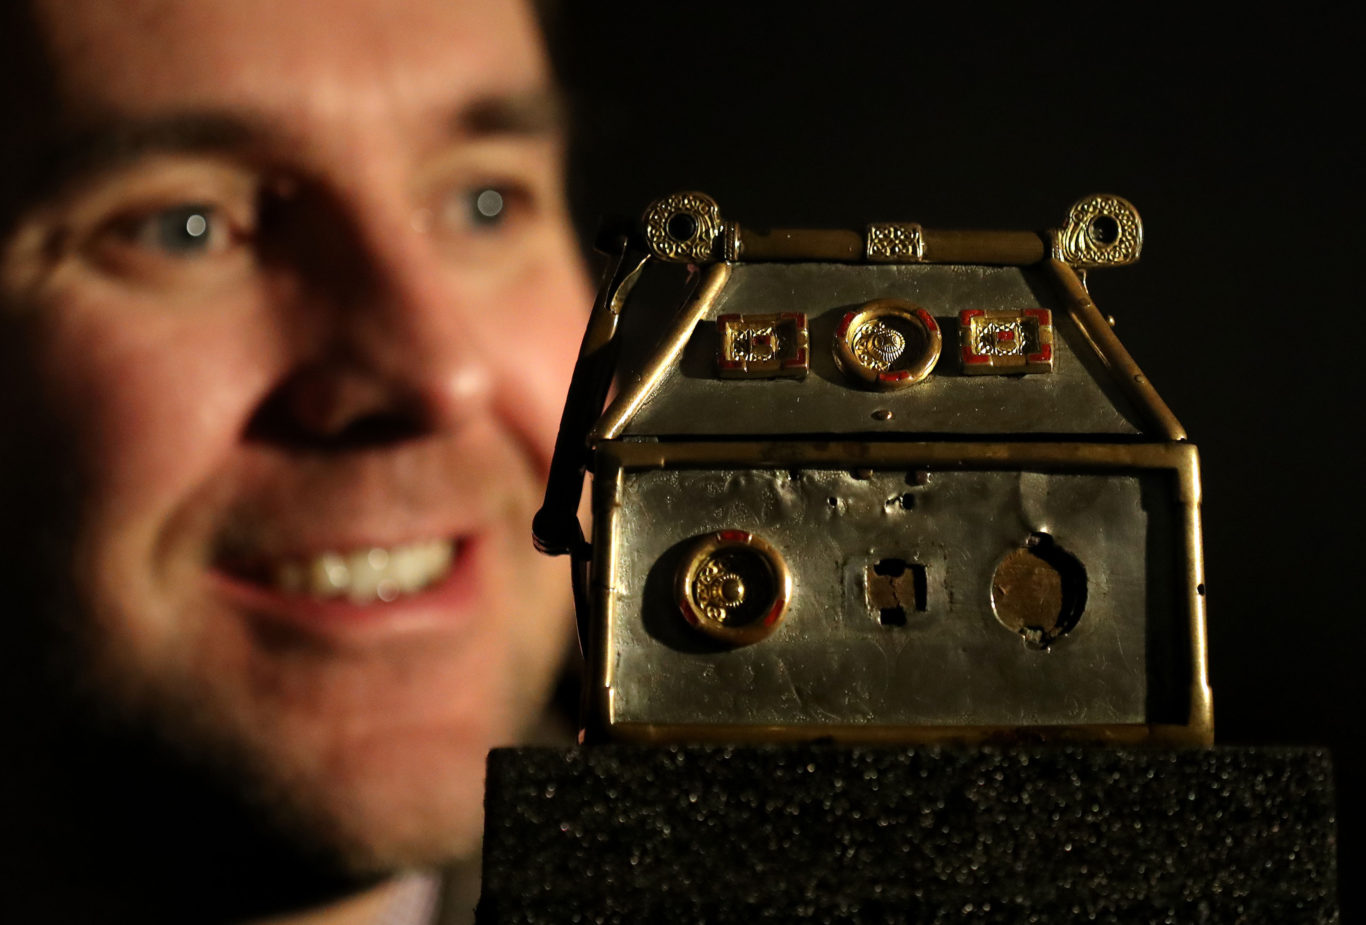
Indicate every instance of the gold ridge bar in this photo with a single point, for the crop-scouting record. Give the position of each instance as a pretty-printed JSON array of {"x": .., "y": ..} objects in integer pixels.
[{"x": 1007, "y": 248}]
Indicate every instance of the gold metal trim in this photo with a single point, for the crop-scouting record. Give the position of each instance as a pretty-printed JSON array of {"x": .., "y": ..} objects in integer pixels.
[
  {"x": 1111, "y": 352},
  {"x": 998, "y": 248},
  {"x": 665, "y": 355},
  {"x": 607, "y": 485},
  {"x": 862, "y": 336},
  {"x": 852, "y": 454},
  {"x": 1101, "y": 231},
  {"x": 731, "y": 248},
  {"x": 894, "y": 242},
  {"x": 1201, "y": 697},
  {"x": 836, "y": 244},
  {"x": 1154, "y": 734}
]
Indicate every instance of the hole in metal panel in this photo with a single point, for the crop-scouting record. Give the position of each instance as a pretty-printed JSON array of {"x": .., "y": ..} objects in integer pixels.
[
  {"x": 895, "y": 587},
  {"x": 1039, "y": 591}
]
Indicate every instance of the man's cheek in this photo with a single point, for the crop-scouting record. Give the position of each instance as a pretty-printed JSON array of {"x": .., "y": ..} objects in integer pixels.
[
  {"x": 548, "y": 319},
  {"x": 155, "y": 408}
]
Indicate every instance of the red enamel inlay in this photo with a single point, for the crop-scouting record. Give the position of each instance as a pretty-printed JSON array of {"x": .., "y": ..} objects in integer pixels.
[
  {"x": 798, "y": 359},
  {"x": 1044, "y": 355},
  {"x": 894, "y": 377},
  {"x": 844, "y": 325},
  {"x": 1006, "y": 336},
  {"x": 734, "y": 536},
  {"x": 688, "y": 613},
  {"x": 926, "y": 319},
  {"x": 777, "y": 610},
  {"x": 970, "y": 357},
  {"x": 1043, "y": 314},
  {"x": 967, "y": 313}
]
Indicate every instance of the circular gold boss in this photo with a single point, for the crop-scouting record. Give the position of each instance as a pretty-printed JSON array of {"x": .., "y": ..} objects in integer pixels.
[
  {"x": 887, "y": 344},
  {"x": 733, "y": 586}
]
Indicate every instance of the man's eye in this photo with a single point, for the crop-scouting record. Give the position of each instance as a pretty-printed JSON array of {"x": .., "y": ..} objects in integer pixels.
[
  {"x": 480, "y": 208},
  {"x": 188, "y": 230},
  {"x": 489, "y": 207}
]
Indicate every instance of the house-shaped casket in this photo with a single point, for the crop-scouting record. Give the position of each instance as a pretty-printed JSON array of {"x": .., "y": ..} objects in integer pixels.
[{"x": 897, "y": 485}]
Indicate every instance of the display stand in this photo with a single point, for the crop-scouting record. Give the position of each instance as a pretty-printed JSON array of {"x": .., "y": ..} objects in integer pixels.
[{"x": 824, "y": 833}]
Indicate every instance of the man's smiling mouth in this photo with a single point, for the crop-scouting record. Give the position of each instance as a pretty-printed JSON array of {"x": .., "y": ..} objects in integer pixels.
[{"x": 361, "y": 576}]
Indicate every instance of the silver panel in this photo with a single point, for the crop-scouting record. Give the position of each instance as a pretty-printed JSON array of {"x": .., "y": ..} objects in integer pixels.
[
  {"x": 1077, "y": 398},
  {"x": 833, "y": 662}
]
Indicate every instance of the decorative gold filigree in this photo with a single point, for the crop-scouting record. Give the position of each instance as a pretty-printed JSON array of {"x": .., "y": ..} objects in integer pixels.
[
  {"x": 894, "y": 242},
  {"x": 757, "y": 345},
  {"x": 718, "y": 591},
  {"x": 682, "y": 228},
  {"x": 877, "y": 345},
  {"x": 733, "y": 586},
  {"x": 887, "y": 344},
  {"x": 763, "y": 346},
  {"x": 1001, "y": 339},
  {"x": 1101, "y": 231},
  {"x": 1006, "y": 342}
]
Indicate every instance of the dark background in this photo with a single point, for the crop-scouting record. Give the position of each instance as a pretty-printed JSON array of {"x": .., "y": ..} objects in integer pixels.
[{"x": 1236, "y": 139}]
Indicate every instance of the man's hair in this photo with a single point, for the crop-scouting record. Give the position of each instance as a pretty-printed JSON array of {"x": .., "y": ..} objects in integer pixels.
[{"x": 27, "y": 94}]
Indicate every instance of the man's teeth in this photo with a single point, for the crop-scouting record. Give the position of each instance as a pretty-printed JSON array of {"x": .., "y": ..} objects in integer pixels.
[{"x": 368, "y": 575}]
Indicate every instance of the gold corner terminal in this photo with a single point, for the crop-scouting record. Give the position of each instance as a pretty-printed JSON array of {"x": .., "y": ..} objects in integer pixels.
[
  {"x": 1101, "y": 231},
  {"x": 683, "y": 228}
]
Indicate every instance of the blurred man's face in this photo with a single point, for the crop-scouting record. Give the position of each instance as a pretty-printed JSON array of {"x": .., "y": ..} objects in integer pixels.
[{"x": 300, "y": 313}]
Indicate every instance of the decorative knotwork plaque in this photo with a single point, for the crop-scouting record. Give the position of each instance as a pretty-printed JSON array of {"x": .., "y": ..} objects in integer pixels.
[
  {"x": 683, "y": 228},
  {"x": 1101, "y": 231},
  {"x": 1006, "y": 342},
  {"x": 894, "y": 242},
  {"x": 763, "y": 346}
]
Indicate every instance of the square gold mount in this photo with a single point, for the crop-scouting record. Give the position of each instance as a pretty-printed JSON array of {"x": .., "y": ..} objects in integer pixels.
[
  {"x": 1004, "y": 343},
  {"x": 763, "y": 346}
]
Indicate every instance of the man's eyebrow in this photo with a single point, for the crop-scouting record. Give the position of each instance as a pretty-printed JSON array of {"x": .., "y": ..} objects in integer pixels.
[
  {"x": 106, "y": 146},
  {"x": 538, "y": 112}
]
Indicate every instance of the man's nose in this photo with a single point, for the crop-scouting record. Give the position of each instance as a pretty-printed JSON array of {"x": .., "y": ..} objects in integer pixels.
[{"x": 386, "y": 339}]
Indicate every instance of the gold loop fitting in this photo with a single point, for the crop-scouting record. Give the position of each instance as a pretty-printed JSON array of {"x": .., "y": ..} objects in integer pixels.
[
  {"x": 683, "y": 228},
  {"x": 1101, "y": 231}
]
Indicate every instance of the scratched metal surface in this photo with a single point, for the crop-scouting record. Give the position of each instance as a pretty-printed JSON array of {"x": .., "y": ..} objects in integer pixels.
[
  {"x": 1076, "y": 398},
  {"x": 832, "y": 661}
]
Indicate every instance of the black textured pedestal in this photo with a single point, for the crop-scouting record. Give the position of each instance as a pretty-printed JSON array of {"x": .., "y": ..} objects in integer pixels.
[{"x": 834, "y": 834}]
